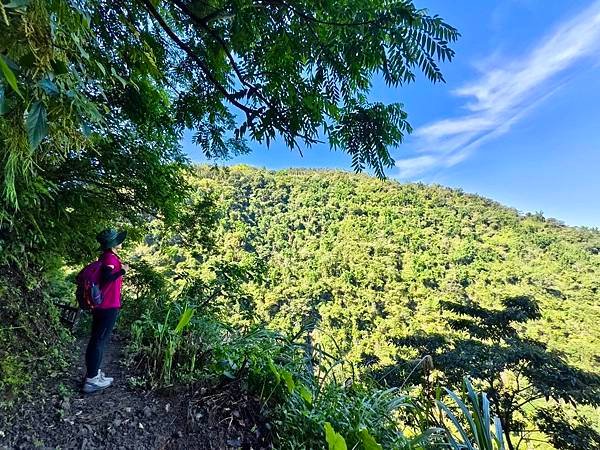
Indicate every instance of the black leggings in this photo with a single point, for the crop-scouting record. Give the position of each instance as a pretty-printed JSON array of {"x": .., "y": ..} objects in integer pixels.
[{"x": 103, "y": 322}]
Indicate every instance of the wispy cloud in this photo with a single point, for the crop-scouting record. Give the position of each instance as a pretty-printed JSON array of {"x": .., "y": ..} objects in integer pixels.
[{"x": 504, "y": 94}]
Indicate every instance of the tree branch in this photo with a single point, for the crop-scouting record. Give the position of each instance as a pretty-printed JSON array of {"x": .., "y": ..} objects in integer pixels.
[
  {"x": 250, "y": 112},
  {"x": 205, "y": 26}
]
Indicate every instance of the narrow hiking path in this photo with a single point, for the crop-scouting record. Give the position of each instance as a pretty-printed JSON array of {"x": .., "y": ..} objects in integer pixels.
[{"x": 122, "y": 417}]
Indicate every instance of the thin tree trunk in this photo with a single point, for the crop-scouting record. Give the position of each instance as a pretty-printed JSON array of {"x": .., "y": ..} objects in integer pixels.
[
  {"x": 506, "y": 427},
  {"x": 309, "y": 354}
]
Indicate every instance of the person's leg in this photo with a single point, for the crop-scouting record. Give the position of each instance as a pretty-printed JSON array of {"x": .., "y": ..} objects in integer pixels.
[
  {"x": 92, "y": 353},
  {"x": 108, "y": 323},
  {"x": 103, "y": 321}
]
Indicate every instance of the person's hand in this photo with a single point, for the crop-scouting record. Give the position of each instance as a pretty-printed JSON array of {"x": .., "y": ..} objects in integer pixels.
[{"x": 126, "y": 267}]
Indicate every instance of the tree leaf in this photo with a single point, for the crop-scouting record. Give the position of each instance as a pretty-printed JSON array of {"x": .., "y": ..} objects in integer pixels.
[
  {"x": 369, "y": 441},
  {"x": 48, "y": 86},
  {"x": 289, "y": 381},
  {"x": 37, "y": 124},
  {"x": 305, "y": 393},
  {"x": 184, "y": 320},
  {"x": 9, "y": 76},
  {"x": 274, "y": 370},
  {"x": 334, "y": 439}
]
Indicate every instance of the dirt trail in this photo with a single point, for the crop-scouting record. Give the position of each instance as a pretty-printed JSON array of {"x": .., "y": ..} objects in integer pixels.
[{"x": 125, "y": 418}]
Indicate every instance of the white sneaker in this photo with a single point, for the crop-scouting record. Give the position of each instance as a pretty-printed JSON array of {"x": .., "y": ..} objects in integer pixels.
[
  {"x": 96, "y": 384},
  {"x": 103, "y": 376}
]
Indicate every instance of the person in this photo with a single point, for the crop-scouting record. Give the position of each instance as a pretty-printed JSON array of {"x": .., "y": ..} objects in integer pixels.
[{"x": 105, "y": 315}]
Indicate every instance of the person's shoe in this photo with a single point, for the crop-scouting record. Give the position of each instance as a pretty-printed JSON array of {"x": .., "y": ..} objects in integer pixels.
[
  {"x": 103, "y": 376},
  {"x": 95, "y": 384}
]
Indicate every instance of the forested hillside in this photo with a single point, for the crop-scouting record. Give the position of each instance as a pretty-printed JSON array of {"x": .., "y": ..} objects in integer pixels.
[
  {"x": 292, "y": 309},
  {"x": 374, "y": 262},
  {"x": 381, "y": 274}
]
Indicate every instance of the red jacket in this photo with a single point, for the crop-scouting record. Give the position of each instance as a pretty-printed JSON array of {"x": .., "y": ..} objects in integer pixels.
[{"x": 111, "y": 289}]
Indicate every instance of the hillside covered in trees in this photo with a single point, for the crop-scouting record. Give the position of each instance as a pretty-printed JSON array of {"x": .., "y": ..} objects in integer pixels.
[
  {"x": 375, "y": 262},
  {"x": 333, "y": 310},
  {"x": 381, "y": 274}
]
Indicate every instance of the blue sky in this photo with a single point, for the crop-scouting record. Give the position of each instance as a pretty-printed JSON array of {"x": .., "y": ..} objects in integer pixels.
[{"x": 518, "y": 119}]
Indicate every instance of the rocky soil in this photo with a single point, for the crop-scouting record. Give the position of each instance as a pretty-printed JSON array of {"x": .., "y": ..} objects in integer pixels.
[{"x": 59, "y": 416}]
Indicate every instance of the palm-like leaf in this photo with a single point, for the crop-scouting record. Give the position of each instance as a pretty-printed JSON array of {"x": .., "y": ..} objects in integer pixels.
[{"x": 475, "y": 428}]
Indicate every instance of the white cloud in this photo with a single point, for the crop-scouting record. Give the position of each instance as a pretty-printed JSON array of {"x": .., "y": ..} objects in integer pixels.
[
  {"x": 503, "y": 95},
  {"x": 414, "y": 166}
]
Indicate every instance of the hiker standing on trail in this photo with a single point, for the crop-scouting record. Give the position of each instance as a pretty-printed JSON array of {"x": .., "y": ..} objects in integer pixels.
[{"x": 105, "y": 314}]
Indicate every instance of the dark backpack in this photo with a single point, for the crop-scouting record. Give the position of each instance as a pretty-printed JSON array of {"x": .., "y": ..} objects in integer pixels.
[{"x": 88, "y": 293}]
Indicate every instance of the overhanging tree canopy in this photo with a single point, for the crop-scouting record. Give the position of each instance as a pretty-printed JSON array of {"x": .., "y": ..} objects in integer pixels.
[
  {"x": 294, "y": 68},
  {"x": 85, "y": 84}
]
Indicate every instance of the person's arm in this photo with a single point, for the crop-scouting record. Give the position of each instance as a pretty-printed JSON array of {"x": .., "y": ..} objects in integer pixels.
[{"x": 107, "y": 275}]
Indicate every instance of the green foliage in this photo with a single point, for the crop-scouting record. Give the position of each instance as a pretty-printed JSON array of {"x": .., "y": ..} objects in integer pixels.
[
  {"x": 175, "y": 340},
  {"x": 9, "y": 76},
  {"x": 335, "y": 441},
  {"x": 95, "y": 97},
  {"x": 380, "y": 274},
  {"x": 30, "y": 332},
  {"x": 366, "y": 277},
  {"x": 368, "y": 441},
  {"x": 568, "y": 433},
  {"x": 480, "y": 434},
  {"x": 37, "y": 124},
  {"x": 14, "y": 375},
  {"x": 301, "y": 405},
  {"x": 66, "y": 170},
  {"x": 90, "y": 76},
  {"x": 517, "y": 372},
  {"x": 296, "y": 69}
]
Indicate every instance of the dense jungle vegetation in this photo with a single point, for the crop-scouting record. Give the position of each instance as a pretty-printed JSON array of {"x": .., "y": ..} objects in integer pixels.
[
  {"x": 343, "y": 303},
  {"x": 379, "y": 274}
]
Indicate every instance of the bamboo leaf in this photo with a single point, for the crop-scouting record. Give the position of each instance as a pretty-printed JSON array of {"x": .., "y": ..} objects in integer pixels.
[
  {"x": 184, "y": 320},
  {"x": 9, "y": 76}
]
